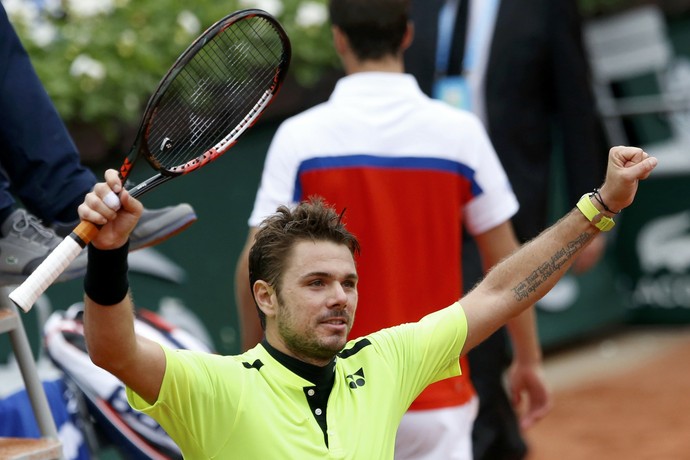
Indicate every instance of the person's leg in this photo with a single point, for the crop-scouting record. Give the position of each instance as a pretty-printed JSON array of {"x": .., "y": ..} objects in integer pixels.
[
  {"x": 7, "y": 201},
  {"x": 496, "y": 434},
  {"x": 36, "y": 150},
  {"x": 40, "y": 165}
]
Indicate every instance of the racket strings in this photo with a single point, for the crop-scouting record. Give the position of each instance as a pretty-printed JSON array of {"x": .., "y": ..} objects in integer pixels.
[
  {"x": 215, "y": 93},
  {"x": 238, "y": 90},
  {"x": 204, "y": 95}
]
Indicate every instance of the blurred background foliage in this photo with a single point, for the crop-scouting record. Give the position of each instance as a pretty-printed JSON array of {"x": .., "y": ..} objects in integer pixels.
[{"x": 100, "y": 59}]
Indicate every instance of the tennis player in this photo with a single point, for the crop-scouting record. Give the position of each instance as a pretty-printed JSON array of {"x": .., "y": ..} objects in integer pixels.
[{"x": 306, "y": 392}]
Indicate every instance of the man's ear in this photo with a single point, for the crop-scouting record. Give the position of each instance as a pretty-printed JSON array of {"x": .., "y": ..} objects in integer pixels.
[
  {"x": 408, "y": 37},
  {"x": 340, "y": 41},
  {"x": 265, "y": 298}
]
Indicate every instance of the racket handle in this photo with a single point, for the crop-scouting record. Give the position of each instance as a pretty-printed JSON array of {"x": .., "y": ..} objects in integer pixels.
[{"x": 26, "y": 294}]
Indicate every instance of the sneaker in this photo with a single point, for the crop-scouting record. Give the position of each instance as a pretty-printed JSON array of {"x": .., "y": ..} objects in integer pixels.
[
  {"x": 157, "y": 225},
  {"x": 154, "y": 227},
  {"x": 24, "y": 243}
]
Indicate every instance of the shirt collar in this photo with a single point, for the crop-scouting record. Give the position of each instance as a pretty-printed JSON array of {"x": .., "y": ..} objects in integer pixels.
[
  {"x": 314, "y": 374},
  {"x": 375, "y": 85}
]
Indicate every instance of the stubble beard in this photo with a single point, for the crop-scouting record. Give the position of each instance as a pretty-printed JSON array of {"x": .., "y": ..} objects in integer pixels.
[{"x": 309, "y": 346}]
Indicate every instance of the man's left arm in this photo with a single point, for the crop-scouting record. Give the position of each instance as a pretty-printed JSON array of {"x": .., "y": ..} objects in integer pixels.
[
  {"x": 526, "y": 376},
  {"x": 517, "y": 282}
]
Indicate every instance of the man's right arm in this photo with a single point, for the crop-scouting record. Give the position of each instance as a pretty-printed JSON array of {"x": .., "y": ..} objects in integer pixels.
[
  {"x": 109, "y": 313},
  {"x": 113, "y": 345}
]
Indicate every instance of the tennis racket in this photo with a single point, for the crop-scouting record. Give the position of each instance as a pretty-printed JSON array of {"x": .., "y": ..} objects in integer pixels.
[{"x": 213, "y": 93}]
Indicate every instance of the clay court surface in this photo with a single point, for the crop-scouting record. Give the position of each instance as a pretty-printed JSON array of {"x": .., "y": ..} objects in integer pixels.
[{"x": 625, "y": 396}]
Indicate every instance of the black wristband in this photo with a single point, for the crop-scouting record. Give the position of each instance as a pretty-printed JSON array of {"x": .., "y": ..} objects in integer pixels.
[
  {"x": 106, "y": 281},
  {"x": 597, "y": 196}
]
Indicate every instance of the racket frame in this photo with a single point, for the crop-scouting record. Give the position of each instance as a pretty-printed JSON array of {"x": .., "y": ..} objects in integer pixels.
[
  {"x": 140, "y": 148},
  {"x": 26, "y": 294}
]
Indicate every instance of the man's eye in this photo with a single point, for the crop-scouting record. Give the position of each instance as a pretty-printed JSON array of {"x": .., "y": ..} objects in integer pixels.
[{"x": 316, "y": 283}]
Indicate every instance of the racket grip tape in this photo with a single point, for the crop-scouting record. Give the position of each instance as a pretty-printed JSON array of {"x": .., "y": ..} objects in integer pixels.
[{"x": 26, "y": 294}]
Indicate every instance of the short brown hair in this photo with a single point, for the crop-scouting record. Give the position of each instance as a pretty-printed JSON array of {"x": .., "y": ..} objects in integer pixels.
[{"x": 310, "y": 220}]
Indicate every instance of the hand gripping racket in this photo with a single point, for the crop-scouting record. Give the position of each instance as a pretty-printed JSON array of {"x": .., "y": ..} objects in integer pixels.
[{"x": 214, "y": 91}]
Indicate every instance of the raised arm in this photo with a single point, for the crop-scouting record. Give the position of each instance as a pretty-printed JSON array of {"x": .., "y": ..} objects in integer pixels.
[
  {"x": 519, "y": 281},
  {"x": 109, "y": 312}
]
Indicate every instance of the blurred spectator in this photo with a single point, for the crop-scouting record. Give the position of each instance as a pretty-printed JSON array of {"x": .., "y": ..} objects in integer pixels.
[
  {"x": 40, "y": 165},
  {"x": 521, "y": 67}
]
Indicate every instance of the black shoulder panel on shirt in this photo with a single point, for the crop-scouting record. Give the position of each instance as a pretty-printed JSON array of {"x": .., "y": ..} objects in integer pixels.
[
  {"x": 355, "y": 348},
  {"x": 255, "y": 365}
]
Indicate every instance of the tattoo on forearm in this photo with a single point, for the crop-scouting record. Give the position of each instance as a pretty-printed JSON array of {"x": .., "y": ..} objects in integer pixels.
[{"x": 530, "y": 284}]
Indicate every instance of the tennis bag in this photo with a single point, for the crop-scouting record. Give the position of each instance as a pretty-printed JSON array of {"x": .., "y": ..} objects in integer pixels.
[{"x": 135, "y": 434}]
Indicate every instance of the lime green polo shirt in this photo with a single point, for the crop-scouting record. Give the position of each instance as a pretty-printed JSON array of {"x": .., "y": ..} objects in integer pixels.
[{"x": 250, "y": 406}]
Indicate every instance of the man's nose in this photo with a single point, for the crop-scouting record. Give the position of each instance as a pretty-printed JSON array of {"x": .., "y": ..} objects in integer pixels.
[{"x": 338, "y": 295}]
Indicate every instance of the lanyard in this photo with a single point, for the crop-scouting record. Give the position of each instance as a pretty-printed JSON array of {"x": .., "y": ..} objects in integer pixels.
[
  {"x": 476, "y": 33},
  {"x": 446, "y": 23}
]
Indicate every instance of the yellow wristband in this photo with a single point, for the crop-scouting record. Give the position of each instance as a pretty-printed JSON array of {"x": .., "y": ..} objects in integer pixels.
[{"x": 599, "y": 220}]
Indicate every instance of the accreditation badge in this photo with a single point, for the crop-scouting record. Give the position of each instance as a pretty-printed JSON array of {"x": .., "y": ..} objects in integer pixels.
[{"x": 453, "y": 90}]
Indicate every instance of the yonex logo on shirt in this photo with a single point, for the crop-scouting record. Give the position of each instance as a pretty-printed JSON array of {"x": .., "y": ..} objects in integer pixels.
[{"x": 357, "y": 379}]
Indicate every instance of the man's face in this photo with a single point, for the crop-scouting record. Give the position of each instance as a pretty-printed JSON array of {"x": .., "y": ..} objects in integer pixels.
[{"x": 317, "y": 301}]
